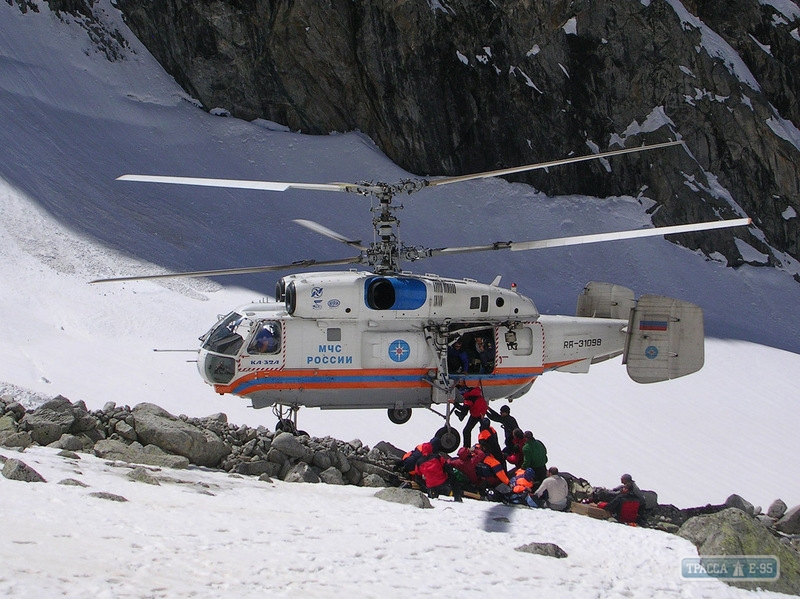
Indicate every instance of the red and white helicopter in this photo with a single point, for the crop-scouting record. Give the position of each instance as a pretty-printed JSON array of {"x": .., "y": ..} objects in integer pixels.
[{"x": 386, "y": 338}]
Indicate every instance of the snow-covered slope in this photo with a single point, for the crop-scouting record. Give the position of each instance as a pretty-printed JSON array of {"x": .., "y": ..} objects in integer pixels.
[
  {"x": 73, "y": 122},
  {"x": 207, "y": 534}
]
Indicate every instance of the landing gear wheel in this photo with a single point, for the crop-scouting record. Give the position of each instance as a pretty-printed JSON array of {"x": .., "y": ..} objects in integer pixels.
[
  {"x": 286, "y": 426},
  {"x": 399, "y": 415},
  {"x": 449, "y": 439}
]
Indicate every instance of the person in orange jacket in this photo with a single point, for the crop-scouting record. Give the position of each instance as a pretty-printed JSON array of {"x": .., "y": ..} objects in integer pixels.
[
  {"x": 492, "y": 474},
  {"x": 488, "y": 437}
]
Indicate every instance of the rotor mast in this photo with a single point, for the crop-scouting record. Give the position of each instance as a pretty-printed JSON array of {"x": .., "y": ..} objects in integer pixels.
[{"x": 386, "y": 252}]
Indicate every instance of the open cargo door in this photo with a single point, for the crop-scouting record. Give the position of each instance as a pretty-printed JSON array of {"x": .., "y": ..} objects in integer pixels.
[{"x": 665, "y": 339}]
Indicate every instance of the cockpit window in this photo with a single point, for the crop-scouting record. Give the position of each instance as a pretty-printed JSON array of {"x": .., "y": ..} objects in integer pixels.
[
  {"x": 223, "y": 338},
  {"x": 267, "y": 339}
]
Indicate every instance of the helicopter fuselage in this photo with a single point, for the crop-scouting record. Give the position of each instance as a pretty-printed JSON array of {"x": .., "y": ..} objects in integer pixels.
[{"x": 363, "y": 340}]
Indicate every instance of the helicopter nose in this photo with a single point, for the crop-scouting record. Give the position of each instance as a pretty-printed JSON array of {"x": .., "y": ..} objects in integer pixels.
[{"x": 214, "y": 368}]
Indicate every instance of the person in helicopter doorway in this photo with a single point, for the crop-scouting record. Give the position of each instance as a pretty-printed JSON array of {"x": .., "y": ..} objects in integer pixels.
[
  {"x": 484, "y": 350},
  {"x": 475, "y": 403},
  {"x": 457, "y": 357}
]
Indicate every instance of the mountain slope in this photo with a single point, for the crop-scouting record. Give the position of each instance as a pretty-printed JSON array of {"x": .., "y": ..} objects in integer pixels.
[{"x": 73, "y": 121}]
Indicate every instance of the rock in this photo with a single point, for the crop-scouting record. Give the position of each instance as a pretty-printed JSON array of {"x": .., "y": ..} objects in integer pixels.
[
  {"x": 8, "y": 425},
  {"x": 141, "y": 475},
  {"x": 126, "y": 431},
  {"x": 71, "y": 443},
  {"x": 776, "y": 509},
  {"x": 790, "y": 522},
  {"x": 733, "y": 532},
  {"x": 372, "y": 480},
  {"x": 135, "y": 453},
  {"x": 108, "y": 496},
  {"x": 14, "y": 469},
  {"x": 740, "y": 503},
  {"x": 548, "y": 549},
  {"x": 21, "y": 440},
  {"x": 404, "y": 496},
  {"x": 71, "y": 482},
  {"x": 49, "y": 421},
  {"x": 291, "y": 447},
  {"x": 332, "y": 476},
  {"x": 301, "y": 473},
  {"x": 156, "y": 426},
  {"x": 389, "y": 450},
  {"x": 257, "y": 468}
]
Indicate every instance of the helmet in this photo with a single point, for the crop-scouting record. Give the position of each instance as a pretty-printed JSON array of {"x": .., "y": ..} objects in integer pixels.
[{"x": 266, "y": 341}]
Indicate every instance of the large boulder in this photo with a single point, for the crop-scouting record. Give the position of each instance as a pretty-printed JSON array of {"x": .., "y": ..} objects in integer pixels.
[
  {"x": 156, "y": 426},
  {"x": 49, "y": 421},
  {"x": 136, "y": 453},
  {"x": 733, "y": 532},
  {"x": 14, "y": 469},
  {"x": 790, "y": 522}
]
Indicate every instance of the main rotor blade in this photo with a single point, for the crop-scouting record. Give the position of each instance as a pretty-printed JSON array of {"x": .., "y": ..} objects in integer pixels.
[
  {"x": 235, "y": 271},
  {"x": 318, "y": 228},
  {"x": 595, "y": 238},
  {"x": 543, "y": 165},
  {"x": 245, "y": 184}
]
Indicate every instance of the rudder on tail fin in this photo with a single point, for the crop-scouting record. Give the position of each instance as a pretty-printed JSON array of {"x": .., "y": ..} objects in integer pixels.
[{"x": 665, "y": 339}]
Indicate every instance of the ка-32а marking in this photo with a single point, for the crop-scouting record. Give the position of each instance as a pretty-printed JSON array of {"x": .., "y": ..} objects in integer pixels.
[{"x": 385, "y": 338}]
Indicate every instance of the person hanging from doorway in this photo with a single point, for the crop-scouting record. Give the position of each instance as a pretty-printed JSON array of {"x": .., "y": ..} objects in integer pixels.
[{"x": 473, "y": 400}]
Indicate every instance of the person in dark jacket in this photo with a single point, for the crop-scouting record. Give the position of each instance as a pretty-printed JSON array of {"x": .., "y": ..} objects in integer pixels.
[
  {"x": 509, "y": 424},
  {"x": 457, "y": 358},
  {"x": 514, "y": 454},
  {"x": 487, "y": 437}
]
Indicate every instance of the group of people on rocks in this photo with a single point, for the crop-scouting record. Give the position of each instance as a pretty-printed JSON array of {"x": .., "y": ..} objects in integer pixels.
[
  {"x": 483, "y": 468},
  {"x": 513, "y": 472}
]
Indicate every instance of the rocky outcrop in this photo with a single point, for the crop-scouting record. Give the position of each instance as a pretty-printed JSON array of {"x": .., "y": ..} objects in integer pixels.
[
  {"x": 448, "y": 88},
  {"x": 155, "y": 426},
  {"x": 148, "y": 434},
  {"x": 733, "y": 532}
]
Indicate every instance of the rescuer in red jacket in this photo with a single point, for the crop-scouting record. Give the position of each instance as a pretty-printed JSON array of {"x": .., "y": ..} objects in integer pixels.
[
  {"x": 437, "y": 474},
  {"x": 466, "y": 462},
  {"x": 477, "y": 406}
]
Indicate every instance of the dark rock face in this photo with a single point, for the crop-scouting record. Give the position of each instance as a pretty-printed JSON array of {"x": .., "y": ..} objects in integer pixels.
[{"x": 448, "y": 89}]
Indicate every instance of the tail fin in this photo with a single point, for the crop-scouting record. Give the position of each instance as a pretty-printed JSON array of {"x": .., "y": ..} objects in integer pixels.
[{"x": 665, "y": 339}]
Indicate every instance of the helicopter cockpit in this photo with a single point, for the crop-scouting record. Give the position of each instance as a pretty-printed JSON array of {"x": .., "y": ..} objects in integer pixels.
[{"x": 224, "y": 342}]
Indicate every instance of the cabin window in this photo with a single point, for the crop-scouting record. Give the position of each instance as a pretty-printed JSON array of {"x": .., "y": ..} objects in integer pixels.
[
  {"x": 224, "y": 338},
  {"x": 479, "y": 303},
  {"x": 267, "y": 339}
]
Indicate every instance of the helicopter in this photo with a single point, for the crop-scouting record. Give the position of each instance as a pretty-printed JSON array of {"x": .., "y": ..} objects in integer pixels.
[{"x": 382, "y": 337}]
